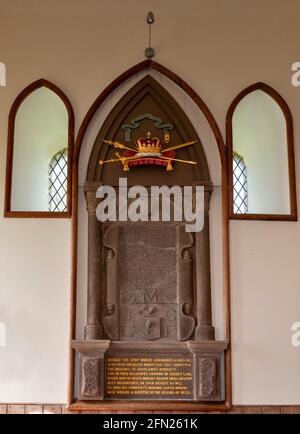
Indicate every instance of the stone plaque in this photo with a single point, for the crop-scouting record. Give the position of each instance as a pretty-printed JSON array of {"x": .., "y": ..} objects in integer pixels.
[
  {"x": 148, "y": 276},
  {"x": 149, "y": 377}
]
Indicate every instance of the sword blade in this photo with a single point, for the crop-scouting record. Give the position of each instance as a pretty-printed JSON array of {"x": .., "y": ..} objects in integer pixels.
[{"x": 182, "y": 145}]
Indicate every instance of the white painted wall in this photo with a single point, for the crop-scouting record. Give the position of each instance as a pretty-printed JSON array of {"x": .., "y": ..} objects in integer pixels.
[
  {"x": 219, "y": 48},
  {"x": 259, "y": 136}
]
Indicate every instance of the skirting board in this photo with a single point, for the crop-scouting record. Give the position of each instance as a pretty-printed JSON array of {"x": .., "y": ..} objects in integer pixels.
[{"x": 62, "y": 409}]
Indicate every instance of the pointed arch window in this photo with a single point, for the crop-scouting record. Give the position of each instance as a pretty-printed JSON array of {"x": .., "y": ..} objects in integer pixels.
[
  {"x": 39, "y": 153},
  {"x": 261, "y": 166}
]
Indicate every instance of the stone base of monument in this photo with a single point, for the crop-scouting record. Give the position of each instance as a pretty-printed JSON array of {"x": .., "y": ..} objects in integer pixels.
[{"x": 182, "y": 371}]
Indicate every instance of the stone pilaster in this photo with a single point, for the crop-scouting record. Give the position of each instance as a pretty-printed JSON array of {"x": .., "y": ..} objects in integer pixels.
[
  {"x": 93, "y": 329},
  {"x": 204, "y": 329}
]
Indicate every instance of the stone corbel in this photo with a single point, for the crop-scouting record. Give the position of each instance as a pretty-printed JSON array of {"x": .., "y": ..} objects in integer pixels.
[
  {"x": 207, "y": 362},
  {"x": 91, "y": 368}
]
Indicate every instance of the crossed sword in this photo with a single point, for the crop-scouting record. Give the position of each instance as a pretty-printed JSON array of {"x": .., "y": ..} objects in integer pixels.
[{"x": 124, "y": 160}]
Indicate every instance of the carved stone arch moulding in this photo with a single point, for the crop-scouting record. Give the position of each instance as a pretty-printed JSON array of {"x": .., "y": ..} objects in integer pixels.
[
  {"x": 10, "y": 150},
  {"x": 199, "y": 344},
  {"x": 161, "y": 108},
  {"x": 292, "y": 216}
]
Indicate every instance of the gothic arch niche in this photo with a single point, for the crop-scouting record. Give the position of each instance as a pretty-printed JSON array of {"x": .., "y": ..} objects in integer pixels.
[
  {"x": 193, "y": 332},
  {"x": 148, "y": 98}
]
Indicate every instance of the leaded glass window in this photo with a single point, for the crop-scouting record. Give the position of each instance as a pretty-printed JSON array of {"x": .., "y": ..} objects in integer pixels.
[
  {"x": 58, "y": 174},
  {"x": 240, "y": 190}
]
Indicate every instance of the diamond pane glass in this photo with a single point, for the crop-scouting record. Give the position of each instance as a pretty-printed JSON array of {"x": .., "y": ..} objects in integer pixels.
[
  {"x": 240, "y": 190},
  {"x": 58, "y": 173}
]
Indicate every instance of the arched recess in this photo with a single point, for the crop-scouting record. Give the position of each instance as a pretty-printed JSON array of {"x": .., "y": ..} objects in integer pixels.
[
  {"x": 36, "y": 85},
  {"x": 221, "y": 148},
  {"x": 167, "y": 107},
  {"x": 274, "y": 95}
]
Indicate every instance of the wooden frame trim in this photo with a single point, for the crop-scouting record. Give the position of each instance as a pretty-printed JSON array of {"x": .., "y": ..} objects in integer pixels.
[
  {"x": 71, "y": 402},
  {"x": 10, "y": 149},
  {"x": 292, "y": 216}
]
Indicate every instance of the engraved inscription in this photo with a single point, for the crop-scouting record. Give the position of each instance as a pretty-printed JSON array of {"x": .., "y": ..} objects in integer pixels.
[
  {"x": 136, "y": 377},
  {"x": 148, "y": 281}
]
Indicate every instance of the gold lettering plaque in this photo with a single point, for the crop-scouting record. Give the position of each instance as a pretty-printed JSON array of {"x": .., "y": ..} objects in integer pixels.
[{"x": 149, "y": 377}]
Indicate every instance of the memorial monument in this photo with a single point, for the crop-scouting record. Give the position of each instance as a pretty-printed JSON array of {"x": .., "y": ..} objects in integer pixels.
[{"x": 149, "y": 332}]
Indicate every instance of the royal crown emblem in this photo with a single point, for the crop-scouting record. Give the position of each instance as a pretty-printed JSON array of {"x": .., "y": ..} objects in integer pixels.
[
  {"x": 147, "y": 151},
  {"x": 148, "y": 147}
]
